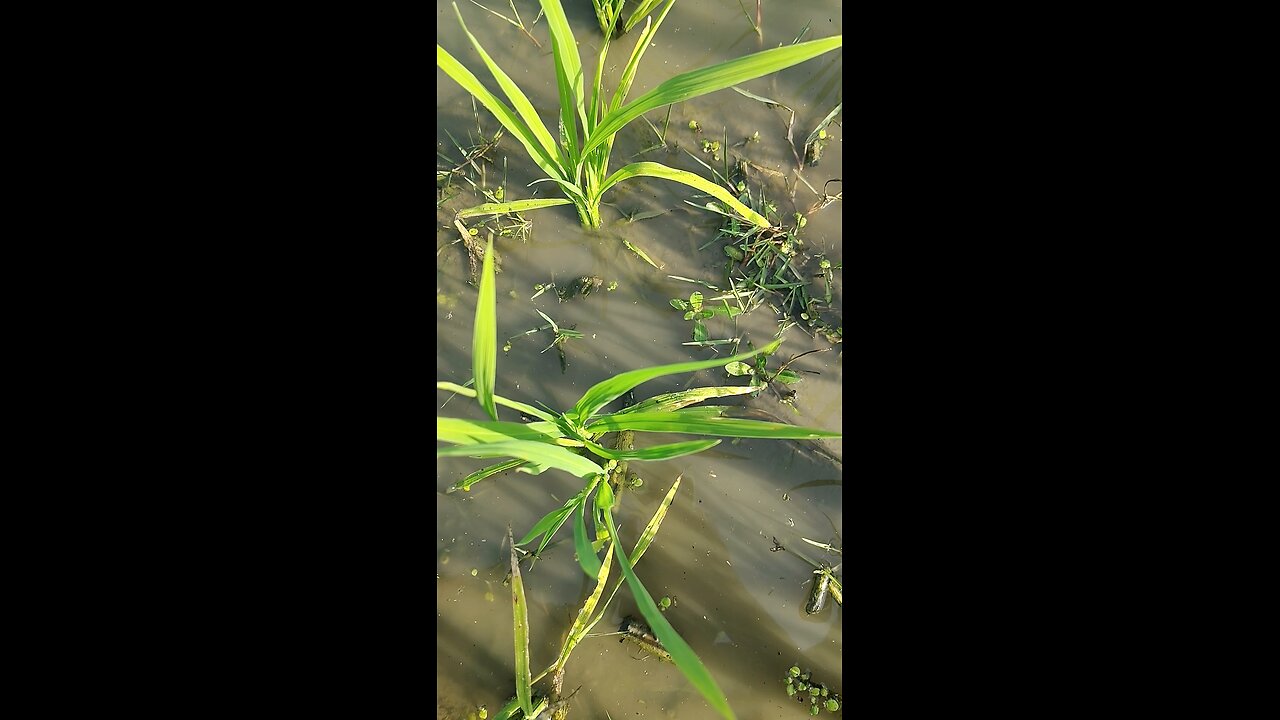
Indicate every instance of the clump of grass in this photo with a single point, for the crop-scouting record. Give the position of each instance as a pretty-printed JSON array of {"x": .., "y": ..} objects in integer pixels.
[
  {"x": 567, "y": 441},
  {"x": 773, "y": 264},
  {"x": 577, "y": 158},
  {"x": 609, "y": 14}
]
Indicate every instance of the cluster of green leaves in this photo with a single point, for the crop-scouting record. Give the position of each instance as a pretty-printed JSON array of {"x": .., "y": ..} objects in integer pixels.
[
  {"x": 577, "y": 158},
  {"x": 609, "y": 12},
  {"x": 759, "y": 374},
  {"x": 697, "y": 310},
  {"x": 572, "y": 441}
]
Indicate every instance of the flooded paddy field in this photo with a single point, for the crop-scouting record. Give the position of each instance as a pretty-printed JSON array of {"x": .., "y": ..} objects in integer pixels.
[{"x": 738, "y": 604}]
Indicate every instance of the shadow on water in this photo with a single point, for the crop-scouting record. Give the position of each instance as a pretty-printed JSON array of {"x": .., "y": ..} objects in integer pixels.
[{"x": 740, "y": 606}]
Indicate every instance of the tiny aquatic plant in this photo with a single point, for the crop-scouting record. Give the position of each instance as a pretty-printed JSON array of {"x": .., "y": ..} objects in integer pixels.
[
  {"x": 567, "y": 441},
  {"x": 697, "y": 310},
  {"x": 577, "y": 158}
]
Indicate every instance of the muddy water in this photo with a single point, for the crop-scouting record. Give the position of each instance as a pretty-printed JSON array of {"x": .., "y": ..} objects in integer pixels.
[{"x": 739, "y": 605}]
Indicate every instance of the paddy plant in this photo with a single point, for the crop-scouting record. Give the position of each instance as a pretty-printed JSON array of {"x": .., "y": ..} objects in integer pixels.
[
  {"x": 576, "y": 157},
  {"x": 572, "y": 441},
  {"x": 608, "y": 13}
]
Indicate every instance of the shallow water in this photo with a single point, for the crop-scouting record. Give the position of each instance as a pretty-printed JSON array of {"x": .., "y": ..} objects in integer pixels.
[{"x": 740, "y": 606}]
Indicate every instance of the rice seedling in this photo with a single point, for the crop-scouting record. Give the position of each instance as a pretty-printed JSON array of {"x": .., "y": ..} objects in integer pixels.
[
  {"x": 578, "y": 161},
  {"x": 609, "y": 12},
  {"x": 573, "y": 441}
]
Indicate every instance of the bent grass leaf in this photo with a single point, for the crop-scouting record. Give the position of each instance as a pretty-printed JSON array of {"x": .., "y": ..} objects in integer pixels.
[
  {"x": 683, "y": 655},
  {"x": 658, "y": 170},
  {"x": 676, "y": 400},
  {"x": 657, "y": 452},
  {"x": 550, "y": 522},
  {"x": 586, "y": 556},
  {"x": 813, "y": 136},
  {"x": 512, "y": 207},
  {"x": 641, "y": 11},
  {"x": 607, "y": 391},
  {"x": 651, "y": 530},
  {"x": 517, "y": 97},
  {"x": 641, "y": 253},
  {"x": 484, "y": 342},
  {"x": 513, "y": 404},
  {"x": 708, "y": 80},
  {"x": 504, "y": 115},
  {"x": 706, "y": 411},
  {"x": 646, "y": 538},
  {"x": 467, "y": 432},
  {"x": 475, "y": 477},
  {"x": 580, "y": 624},
  {"x": 541, "y": 453},
  {"x": 682, "y": 422},
  {"x": 520, "y": 621}
]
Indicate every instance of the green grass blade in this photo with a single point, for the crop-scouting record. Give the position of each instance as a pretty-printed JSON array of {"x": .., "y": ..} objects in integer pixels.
[
  {"x": 823, "y": 125},
  {"x": 475, "y": 477},
  {"x": 646, "y": 538},
  {"x": 511, "y": 207},
  {"x": 569, "y": 78},
  {"x": 707, "y": 80},
  {"x": 551, "y": 522},
  {"x": 658, "y": 170},
  {"x": 586, "y": 557},
  {"x": 505, "y": 115},
  {"x": 765, "y": 100},
  {"x": 681, "y": 653},
  {"x": 657, "y": 452},
  {"x": 679, "y": 422},
  {"x": 569, "y": 188},
  {"x": 642, "y": 10},
  {"x": 705, "y": 411},
  {"x": 580, "y": 625},
  {"x": 596, "y": 111},
  {"x": 520, "y": 621},
  {"x": 640, "y": 253},
  {"x": 541, "y": 453},
  {"x": 513, "y": 404},
  {"x": 651, "y": 530},
  {"x": 508, "y": 711},
  {"x": 676, "y": 400},
  {"x": 607, "y": 391},
  {"x": 517, "y": 97},
  {"x": 484, "y": 341},
  {"x": 642, "y": 45},
  {"x": 467, "y": 432}
]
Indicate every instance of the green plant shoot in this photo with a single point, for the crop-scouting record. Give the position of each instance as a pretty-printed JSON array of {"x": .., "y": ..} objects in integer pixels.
[{"x": 577, "y": 160}]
